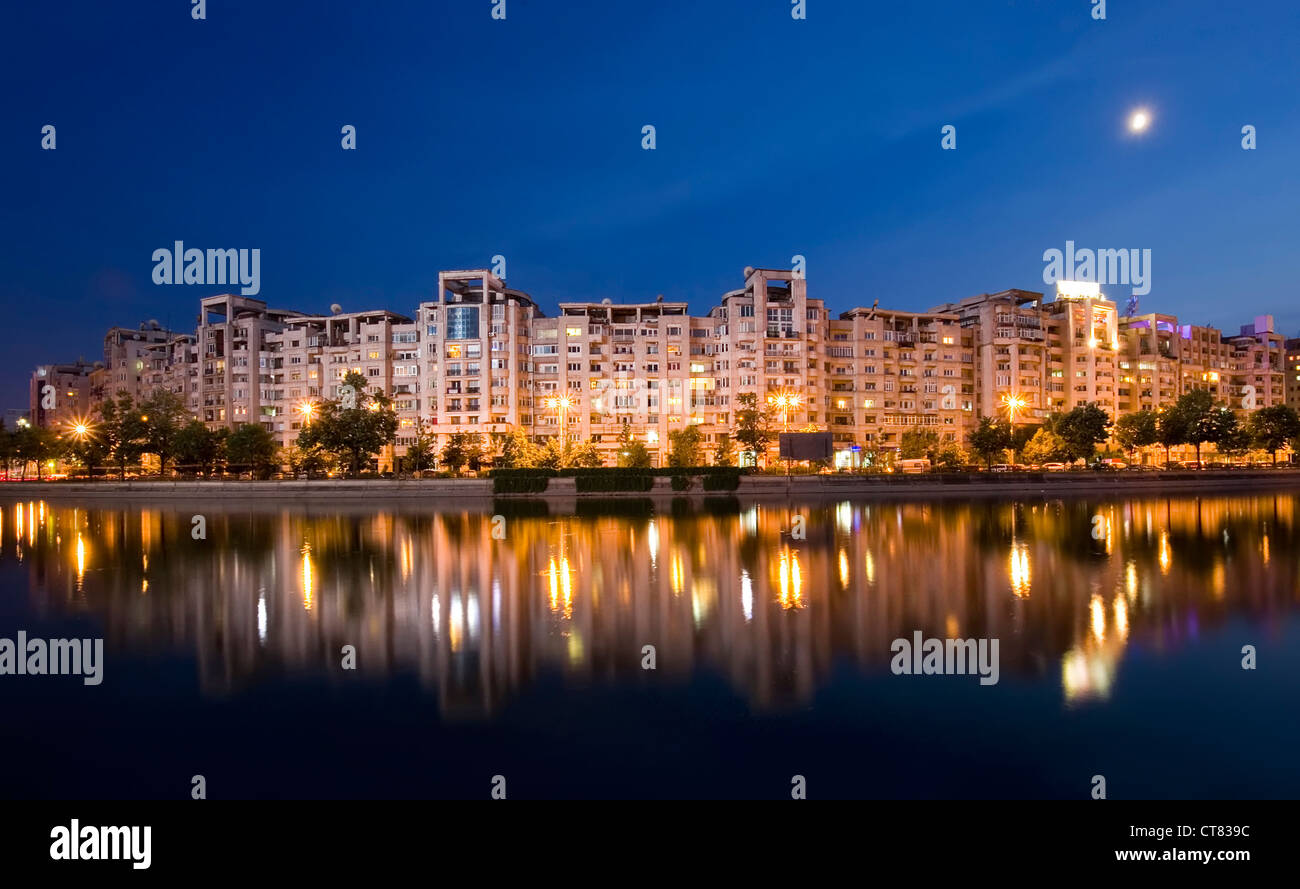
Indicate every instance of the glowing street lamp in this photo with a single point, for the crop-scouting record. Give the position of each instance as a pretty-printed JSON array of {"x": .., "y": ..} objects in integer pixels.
[
  {"x": 1013, "y": 403},
  {"x": 306, "y": 409},
  {"x": 80, "y": 428},
  {"x": 785, "y": 402},
  {"x": 561, "y": 403}
]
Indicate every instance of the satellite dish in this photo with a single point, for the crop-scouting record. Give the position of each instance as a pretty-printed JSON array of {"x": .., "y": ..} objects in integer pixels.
[
  {"x": 749, "y": 270},
  {"x": 336, "y": 308},
  {"x": 606, "y": 302}
]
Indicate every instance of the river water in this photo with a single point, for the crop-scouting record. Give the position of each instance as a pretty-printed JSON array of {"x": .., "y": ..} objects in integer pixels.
[{"x": 512, "y": 641}]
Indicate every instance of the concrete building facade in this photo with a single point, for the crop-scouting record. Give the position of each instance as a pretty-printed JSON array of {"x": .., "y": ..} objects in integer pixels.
[{"x": 482, "y": 357}]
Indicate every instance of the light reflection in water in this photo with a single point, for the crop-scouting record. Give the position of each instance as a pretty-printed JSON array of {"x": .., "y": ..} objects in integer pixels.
[
  {"x": 274, "y": 589},
  {"x": 1020, "y": 569},
  {"x": 306, "y": 577}
]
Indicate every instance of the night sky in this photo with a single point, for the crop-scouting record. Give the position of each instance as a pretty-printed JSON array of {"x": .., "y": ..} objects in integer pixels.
[{"x": 522, "y": 137}]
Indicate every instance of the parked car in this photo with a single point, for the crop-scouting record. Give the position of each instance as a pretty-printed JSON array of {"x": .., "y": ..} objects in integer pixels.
[
  {"x": 914, "y": 467},
  {"x": 1002, "y": 467},
  {"x": 1053, "y": 467}
]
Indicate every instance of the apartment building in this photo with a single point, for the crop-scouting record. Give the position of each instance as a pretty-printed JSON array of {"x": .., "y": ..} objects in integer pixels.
[
  {"x": 643, "y": 365},
  {"x": 473, "y": 343},
  {"x": 232, "y": 345},
  {"x": 132, "y": 358},
  {"x": 482, "y": 357},
  {"x": 893, "y": 371},
  {"x": 306, "y": 360},
  {"x": 1150, "y": 369},
  {"x": 62, "y": 395},
  {"x": 1164, "y": 360},
  {"x": 1258, "y": 366},
  {"x": 1292, "y": 368}
]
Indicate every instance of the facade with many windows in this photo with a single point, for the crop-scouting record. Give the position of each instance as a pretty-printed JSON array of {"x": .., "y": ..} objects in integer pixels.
[{"x": 482, "y": 357}]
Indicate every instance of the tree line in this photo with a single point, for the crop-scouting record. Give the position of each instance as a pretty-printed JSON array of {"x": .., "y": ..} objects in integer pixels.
[
  {"x": 347, "y": 435},
  {"x": 1195, "y": 419}
]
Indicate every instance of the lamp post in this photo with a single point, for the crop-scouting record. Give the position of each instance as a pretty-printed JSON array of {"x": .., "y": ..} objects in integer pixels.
[
  {"x": 561, "y": 403},
  {"x": 1014, "y": 404},
  {"x": 786, "y": 401}
]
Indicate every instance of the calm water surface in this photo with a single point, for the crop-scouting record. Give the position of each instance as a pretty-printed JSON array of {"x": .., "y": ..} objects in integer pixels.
[{"x": 1120, "y": 652}]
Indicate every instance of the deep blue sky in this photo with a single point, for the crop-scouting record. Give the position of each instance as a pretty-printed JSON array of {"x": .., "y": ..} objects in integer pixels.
[{"x": 523, "y": 137}]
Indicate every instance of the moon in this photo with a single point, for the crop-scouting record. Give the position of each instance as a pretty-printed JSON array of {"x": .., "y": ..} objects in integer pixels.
[{"x": 1139, "y": 120}]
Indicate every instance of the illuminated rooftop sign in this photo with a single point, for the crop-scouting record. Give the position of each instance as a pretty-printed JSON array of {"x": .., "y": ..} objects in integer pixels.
[{"x": 1077, "y": 290}]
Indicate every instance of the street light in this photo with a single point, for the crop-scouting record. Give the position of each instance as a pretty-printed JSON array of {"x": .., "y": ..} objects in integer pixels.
[
  {"x": 306, "y": 409},
  {"x": 561, "y": 403},
  {"x": 786, "y": 401},
  {"x": 1013, "y": 403}
]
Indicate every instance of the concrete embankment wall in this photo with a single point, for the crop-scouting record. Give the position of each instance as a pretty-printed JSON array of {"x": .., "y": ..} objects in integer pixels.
[{"x": 758, "y": 487}]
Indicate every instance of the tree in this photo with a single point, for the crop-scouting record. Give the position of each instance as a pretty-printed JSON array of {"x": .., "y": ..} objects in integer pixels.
[
  {"x": 1221, "y": 429},
  {"x": 89, "y": 450},
  {"x": 308, "y": 460},
  {"x": 518, "y": 451},
  {"x": 754, "y": 429},
  {"x": 355, "y": 427},
  {"x": 39, "y": 445},
  {"x": 725, "y": 455},
  {"x": 201, "y": 447},
  {"x": 556, "y": 455},
  {"x": 123, "y": 431},
  {"x": 1082, "y": 429},
  {"x": 463, "y": 448},
  {"x": 632, "y": 453},
  {"x": 1137, "y": 430},
  {"x": 1236, "y": 442},
  {"x": 1271, "y": 428},
  {"x": 585, "y": 455},
  {"x": 1021, "y": 436},
  {"x": 1171, "y": 430},
  {"x": 916, "y": 443},
  {"x": 423, "y": 449},
  {"x": 686, "y": 446},
  {"x": 1046, "y": 447},
  {"x": 253, "y": 446},
  {"x": 8, "y": 449},
  {"x": 991, "y": 438},
  {"x": 949, "y": 454},
  {"x": 164, "y": 415},
  {"x": 1187, "y": 421}
]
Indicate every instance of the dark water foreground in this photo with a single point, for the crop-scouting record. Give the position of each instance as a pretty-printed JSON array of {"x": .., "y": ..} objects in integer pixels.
[{"x": 1120, "y": 627}]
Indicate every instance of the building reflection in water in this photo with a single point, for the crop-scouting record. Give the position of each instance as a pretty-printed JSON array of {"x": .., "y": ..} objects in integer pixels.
[{"x": 1065, "y": 585}]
